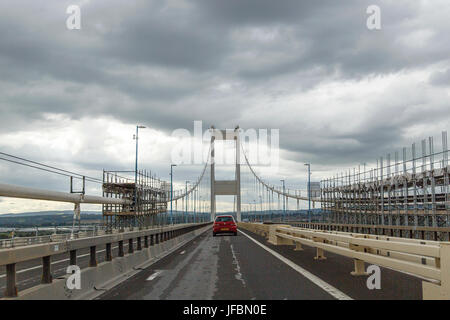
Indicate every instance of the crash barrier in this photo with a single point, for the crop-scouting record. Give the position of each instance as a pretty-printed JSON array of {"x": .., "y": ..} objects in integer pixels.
[
  {"x": 412, "y": 232},
  {"x": 138, "y": 241},
  {"x": 429, "y": 260},
  {"x": 26, "y": 241}
]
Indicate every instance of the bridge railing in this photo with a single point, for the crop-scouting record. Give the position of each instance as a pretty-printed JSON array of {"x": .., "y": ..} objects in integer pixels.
[
  {"x": 433, "y": 233},
  {"x": 25, "y": 241},
  {"x": 11, "y": 256},
  {"x": 429, "y": 260}
]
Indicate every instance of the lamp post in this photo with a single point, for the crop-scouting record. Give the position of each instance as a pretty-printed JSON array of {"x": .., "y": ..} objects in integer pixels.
[
  {"x": 136, "y": 137},
  {"x": 186, "y": 203},
  {"x": 284, "y": 203},
  {"x": 171, "y": 191},
  {"x": 309, "y": 191},
  {"x": 260, "y": 199}
]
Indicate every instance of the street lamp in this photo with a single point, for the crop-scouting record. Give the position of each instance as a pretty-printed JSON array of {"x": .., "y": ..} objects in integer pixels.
[
  {"x": 186, "y": 203},
  {"x": 284, "y": 204},
  {"x": 260, "y": 199},
  {"x": 309, "y": 191},
  {"x": 136, "y": 137},
  {"x": 171, "y": 191}
]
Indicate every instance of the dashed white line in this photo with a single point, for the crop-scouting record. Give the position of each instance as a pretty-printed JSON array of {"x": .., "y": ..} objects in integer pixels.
[
  {"x": 316, "y": 280},
  {"x": 238, "y": 275}
]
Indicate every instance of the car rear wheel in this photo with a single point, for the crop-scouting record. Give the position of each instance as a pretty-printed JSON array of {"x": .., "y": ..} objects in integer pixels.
[
  {"x": 235, "y": 233},
  {"x": 214, "y": 234}
]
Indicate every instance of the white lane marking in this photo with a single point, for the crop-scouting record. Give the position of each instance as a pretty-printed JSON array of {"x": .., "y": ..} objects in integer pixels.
[
  {"x": 55, "y": 262},
  {"x": 154, "y": 275},
  {"x": 183, "y": 252},
  {"x": 316, "y": 280},
  {"x": 238, "y": 274}
]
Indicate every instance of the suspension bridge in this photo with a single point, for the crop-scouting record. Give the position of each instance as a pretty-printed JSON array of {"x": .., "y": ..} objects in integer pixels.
[{"x": 156, "y": 242}]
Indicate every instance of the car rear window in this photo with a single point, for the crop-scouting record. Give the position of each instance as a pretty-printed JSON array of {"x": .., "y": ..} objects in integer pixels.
[{"x": 224, "y": 219}]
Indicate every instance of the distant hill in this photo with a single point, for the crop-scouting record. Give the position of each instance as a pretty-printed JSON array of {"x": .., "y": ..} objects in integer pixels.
[
  {"x": 46, "y": 213},
  {"x": 46, "y": 218}
]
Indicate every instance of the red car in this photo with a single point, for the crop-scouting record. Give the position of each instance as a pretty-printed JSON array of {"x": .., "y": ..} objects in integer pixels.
[{"x": 224, "y": 224}]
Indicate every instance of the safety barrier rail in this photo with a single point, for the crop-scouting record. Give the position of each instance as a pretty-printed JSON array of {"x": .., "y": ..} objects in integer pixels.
[
  {"x": 10, "y": 257},
  {"x": 26, "y": 241},
  {"x": 422, "y": 232},
  {"x": 429, "y": 260}
]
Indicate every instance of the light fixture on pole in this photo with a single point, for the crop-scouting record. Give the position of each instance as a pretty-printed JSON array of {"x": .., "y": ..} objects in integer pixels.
[
  {"x": 284, "y": 203},
  {"x": 260, "y": 199},
  {"x": 186, "y": 203},
  {"x": 171, "y": 191},
  {"x": 136, "y": 137},
  {"x": 309, "y": 191}
]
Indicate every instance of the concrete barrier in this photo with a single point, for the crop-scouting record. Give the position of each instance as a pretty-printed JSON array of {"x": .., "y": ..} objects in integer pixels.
[{"x": 106, "y": 275}]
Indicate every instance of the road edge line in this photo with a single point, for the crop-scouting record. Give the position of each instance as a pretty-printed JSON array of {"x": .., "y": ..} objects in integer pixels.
[{"x": 313, "y": 278}]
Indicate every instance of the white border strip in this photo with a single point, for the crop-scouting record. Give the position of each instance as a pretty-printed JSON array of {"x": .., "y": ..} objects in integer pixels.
[{"x": 317, "y": 281}]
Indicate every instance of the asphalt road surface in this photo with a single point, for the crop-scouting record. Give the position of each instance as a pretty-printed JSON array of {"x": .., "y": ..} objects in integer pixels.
[{"x": 238, "y": 267}]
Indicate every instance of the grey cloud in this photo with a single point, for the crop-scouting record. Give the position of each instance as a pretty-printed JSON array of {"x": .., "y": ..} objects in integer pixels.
[
  {"x": 166, "y": 64},
  {"x": 441, "y": 78}
]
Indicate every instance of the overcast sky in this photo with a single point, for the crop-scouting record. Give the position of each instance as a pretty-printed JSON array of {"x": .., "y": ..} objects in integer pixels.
[{"x": 339, "y": 93}]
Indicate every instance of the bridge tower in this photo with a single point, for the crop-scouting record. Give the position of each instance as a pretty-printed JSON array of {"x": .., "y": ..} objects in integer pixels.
[{"x": 226, "y": 187}]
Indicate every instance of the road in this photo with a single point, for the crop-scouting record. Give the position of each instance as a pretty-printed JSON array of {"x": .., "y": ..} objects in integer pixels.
[{"x": 247, "y": 267}]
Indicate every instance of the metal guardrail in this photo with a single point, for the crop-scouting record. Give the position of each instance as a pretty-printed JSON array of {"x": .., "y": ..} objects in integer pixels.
[
  {"x": 434, "y": 233},
  {"x": 10, "y": 257},
  {"x": 26, "y": 241},
  {"x": 427, "y": 259}
]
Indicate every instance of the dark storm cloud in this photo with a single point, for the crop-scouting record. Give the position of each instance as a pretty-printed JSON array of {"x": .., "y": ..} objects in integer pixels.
[{"x": 163, "y": 64}]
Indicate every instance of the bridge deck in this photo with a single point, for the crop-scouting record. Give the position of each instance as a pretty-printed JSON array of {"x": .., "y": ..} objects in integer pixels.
[{"x": 228, "y": 267}]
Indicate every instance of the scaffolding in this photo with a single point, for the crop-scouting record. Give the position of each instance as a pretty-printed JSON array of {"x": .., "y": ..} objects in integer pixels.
[
  {"x": 409, "y": 192},
  {"x": 148, "y": 196}
]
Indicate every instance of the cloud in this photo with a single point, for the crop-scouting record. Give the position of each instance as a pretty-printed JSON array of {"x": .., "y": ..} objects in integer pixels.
[{"x": 339, "y": 93}]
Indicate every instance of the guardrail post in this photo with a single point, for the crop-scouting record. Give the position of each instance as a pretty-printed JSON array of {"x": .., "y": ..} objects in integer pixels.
[
  {"x": 130, "y": 246},
  {"x": 146, "y": 242},
  {"x": 139, "y": 245},
  {"x": 298, "y": 246},
  {"x": 46, "y": 270},
  {"x": 359, "y": 268},
  {"x": 433, "y": 291},
  {"x": 108, "y": 251},
  {"x": 121, "y": 253},
  {"x": 319, "y": 254},
  {"x": 93, "y": 256},
  {"x": 73, "y": 257},
  {"x": 11, "y": 289}
]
